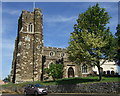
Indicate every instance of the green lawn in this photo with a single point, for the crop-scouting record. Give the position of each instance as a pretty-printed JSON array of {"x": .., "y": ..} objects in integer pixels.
[{"x": 77, "y": 80}]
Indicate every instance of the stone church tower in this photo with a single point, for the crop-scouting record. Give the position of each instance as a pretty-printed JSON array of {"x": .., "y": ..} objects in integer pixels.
[
  {"x": 28, "y": 47},
  {"x": 28, "y": 59}
]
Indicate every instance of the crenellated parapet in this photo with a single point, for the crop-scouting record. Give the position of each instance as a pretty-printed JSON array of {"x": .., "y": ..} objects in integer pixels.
[
  {"x": 30, "y": 22},
  {"x": 54, "y": 53},
  {"x": 55, "y": 48}
]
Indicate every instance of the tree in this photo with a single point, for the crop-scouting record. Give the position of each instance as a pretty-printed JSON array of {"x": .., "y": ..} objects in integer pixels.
[
  {"x": 55, "y": 70},
  {"x": 118, "y": 44},
  {"x": 91, "y": 42},
  {"x": 7, "y": 79}
]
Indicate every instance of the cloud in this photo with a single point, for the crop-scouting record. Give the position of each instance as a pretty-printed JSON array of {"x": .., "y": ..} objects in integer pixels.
[
  {"x": 110, "y": 7},
  {"x": 11, "y": 12},
  {"x": 55, "y": 19},
  {"x": 7, "y": 47},
  {"x": 51, "y": 43},
  {"x": 7, "y": 44}
]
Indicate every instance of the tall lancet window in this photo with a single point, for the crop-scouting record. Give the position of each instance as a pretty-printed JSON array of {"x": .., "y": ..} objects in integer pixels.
[
  {"x": 84, "y": 68},
  {"x": 30, "y": 28}
]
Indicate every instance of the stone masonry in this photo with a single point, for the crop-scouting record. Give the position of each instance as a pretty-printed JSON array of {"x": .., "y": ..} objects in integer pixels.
[{"x": 29, "y": 53}]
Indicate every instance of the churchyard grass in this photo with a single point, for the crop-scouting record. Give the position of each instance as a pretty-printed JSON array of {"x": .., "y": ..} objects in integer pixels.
[{"x": 77, "y": 80}]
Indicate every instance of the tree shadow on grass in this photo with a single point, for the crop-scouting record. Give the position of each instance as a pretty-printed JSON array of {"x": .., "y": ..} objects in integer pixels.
[{"x": 72, "y": 81}]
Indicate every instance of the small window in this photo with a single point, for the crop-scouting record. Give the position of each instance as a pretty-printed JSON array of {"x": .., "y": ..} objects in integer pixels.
[
  {"x": 62, "y": 54},
  {"x": 84, "y": 68},
  {"x": 30, "y": 27},
  {"x": 52, "y": 53}
]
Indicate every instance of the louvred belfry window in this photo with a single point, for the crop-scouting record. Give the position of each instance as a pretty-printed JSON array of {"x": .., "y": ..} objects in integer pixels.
[{"x": 31, "y": 27}]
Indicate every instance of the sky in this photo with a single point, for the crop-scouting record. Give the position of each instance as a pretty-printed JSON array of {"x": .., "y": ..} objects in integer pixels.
[{"x": 58, "y": 21}]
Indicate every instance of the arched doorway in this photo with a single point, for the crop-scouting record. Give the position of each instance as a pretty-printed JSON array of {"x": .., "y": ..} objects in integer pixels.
[{"x": 70, "y": 72}]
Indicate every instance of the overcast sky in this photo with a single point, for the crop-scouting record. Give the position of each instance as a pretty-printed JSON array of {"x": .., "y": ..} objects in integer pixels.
[{"x": 58, "y": 21}]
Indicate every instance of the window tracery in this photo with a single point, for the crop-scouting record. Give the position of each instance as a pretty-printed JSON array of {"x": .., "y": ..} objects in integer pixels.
[
  {"x": 84, "y": 68},
  {"x": 30, "y": 27}
]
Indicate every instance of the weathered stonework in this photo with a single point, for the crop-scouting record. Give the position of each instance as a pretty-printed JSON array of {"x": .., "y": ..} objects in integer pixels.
[
  {"x": 27, "y": 64},
  {"x": 103, "y": 89}
]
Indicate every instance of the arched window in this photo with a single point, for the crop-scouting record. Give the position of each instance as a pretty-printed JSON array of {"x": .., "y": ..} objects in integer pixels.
[
  {"x": 30, "y": 27},
  {"x": 62, "y": 54},
  {"x": 52, "y": 53},
  {"x": 84, "y": 68}
]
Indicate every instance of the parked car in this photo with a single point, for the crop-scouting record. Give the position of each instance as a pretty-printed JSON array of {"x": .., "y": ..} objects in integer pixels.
[{"x": 35, "y": 89}]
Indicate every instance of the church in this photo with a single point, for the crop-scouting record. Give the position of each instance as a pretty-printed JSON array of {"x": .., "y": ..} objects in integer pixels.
[
  {"x": 28, "y": 58},
  {"x": 31, "y": 57}
]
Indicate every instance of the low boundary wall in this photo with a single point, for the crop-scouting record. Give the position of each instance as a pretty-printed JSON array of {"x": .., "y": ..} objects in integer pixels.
[{"x": 109, "y": 87}]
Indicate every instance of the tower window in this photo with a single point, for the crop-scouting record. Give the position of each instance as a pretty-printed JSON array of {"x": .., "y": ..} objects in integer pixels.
[
  {"x": 84, "y": 68},
  {"x": 30, "y": 27}
]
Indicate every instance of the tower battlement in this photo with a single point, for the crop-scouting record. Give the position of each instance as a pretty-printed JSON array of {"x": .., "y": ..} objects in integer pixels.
[
  {"x": 54, "y": 48},
  {"x": 30, "y": 21},
  {"x": 35, "y": 9}
]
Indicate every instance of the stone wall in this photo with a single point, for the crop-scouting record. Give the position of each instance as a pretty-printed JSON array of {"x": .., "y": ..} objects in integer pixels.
[
  {"x": 111, "y": 87},
  {"x": 86, "y": 88}
]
